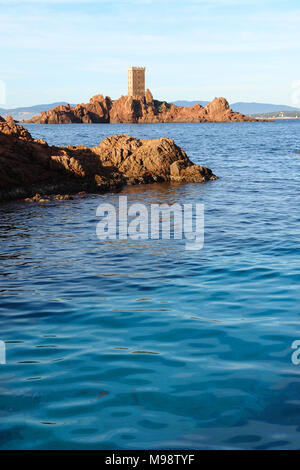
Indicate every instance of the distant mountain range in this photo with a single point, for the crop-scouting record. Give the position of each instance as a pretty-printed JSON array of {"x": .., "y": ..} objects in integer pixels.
[
  {"x": 185, "y": 104},
  {"x": 259, "y": 108},
  {"x": 28, "y": 112},
  {"x": 241, "y": 107}
]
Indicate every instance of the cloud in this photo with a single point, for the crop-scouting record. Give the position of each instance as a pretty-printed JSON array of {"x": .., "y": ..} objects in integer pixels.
[
  {"x": 88, "y": 44},
  {"x": 104, "y": 34},
  {"x": 212, "y": 3}
]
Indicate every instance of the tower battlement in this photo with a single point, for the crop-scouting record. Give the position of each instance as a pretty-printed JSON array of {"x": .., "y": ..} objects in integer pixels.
[{"x": 136, "y": 81}]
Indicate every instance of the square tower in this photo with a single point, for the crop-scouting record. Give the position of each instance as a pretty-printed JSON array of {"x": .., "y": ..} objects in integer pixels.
[{"x": 136, "y": 81}]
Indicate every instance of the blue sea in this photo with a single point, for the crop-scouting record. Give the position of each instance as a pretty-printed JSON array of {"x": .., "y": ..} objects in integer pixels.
[{"x": 142, "y": 344}]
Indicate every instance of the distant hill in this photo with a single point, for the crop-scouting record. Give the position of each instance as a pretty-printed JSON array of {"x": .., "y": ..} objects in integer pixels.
[
  {"x": 260, "y": 108},
  {"x": 28, "y": 112},
  {"x": 186, "y": 104},
  {"x": 244, "y": 107}
]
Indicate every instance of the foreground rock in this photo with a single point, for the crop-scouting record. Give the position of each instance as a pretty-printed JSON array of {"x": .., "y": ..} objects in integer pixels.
[
  {"x": 128, "y": 109},
  {"x": 31, "y": 168}
]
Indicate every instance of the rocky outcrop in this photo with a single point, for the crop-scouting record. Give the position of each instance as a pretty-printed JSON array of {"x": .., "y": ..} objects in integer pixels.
[
  {"x": 149, "y": 160},
  {"x": 9, "y": 127},
  {"x": 135, "y": 110},
  {"x": 96, "y": 111},
  {"x": 128, "y": 109},
  {"x": 31, "y": 167}
]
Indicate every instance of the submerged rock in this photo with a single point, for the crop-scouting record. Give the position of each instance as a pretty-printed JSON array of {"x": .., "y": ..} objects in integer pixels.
[{"x": 31, "y": 168}]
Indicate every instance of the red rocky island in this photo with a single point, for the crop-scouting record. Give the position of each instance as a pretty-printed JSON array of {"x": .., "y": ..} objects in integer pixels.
[{"x": 128, "y": 109}]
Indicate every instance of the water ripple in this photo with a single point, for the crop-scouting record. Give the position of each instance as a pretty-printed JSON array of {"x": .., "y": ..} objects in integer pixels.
[{"x": 129, "y": 345}]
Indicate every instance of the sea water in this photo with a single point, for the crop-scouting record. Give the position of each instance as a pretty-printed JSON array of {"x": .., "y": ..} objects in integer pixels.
[{"x": 142, "y": 344}]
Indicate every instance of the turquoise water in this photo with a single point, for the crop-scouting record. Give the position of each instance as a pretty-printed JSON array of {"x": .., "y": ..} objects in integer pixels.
[{"x": 131, "y": 345}]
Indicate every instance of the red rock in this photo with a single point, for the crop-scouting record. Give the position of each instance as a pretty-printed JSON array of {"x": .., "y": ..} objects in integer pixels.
[
  {"x": 9, "y": 127},
  {"x": 30, "y": 167},
  {"x": 149, "y": 159},
  {"x": 97, "y": 110},
  {"x": 128, "y": 109}
]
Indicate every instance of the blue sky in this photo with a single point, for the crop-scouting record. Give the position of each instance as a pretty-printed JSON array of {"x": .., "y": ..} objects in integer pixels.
[{"x": 245, "y": 50}]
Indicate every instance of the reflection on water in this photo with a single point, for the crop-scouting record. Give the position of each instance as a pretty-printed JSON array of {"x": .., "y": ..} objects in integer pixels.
[{"x": 142, "y": 344}]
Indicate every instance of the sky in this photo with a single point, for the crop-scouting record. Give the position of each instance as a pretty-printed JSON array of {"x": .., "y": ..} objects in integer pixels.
[{"x": 70, "y": 50}]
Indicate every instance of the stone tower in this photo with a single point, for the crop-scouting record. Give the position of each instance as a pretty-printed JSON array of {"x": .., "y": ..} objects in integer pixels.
[{"x": 136, "y": 81}]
